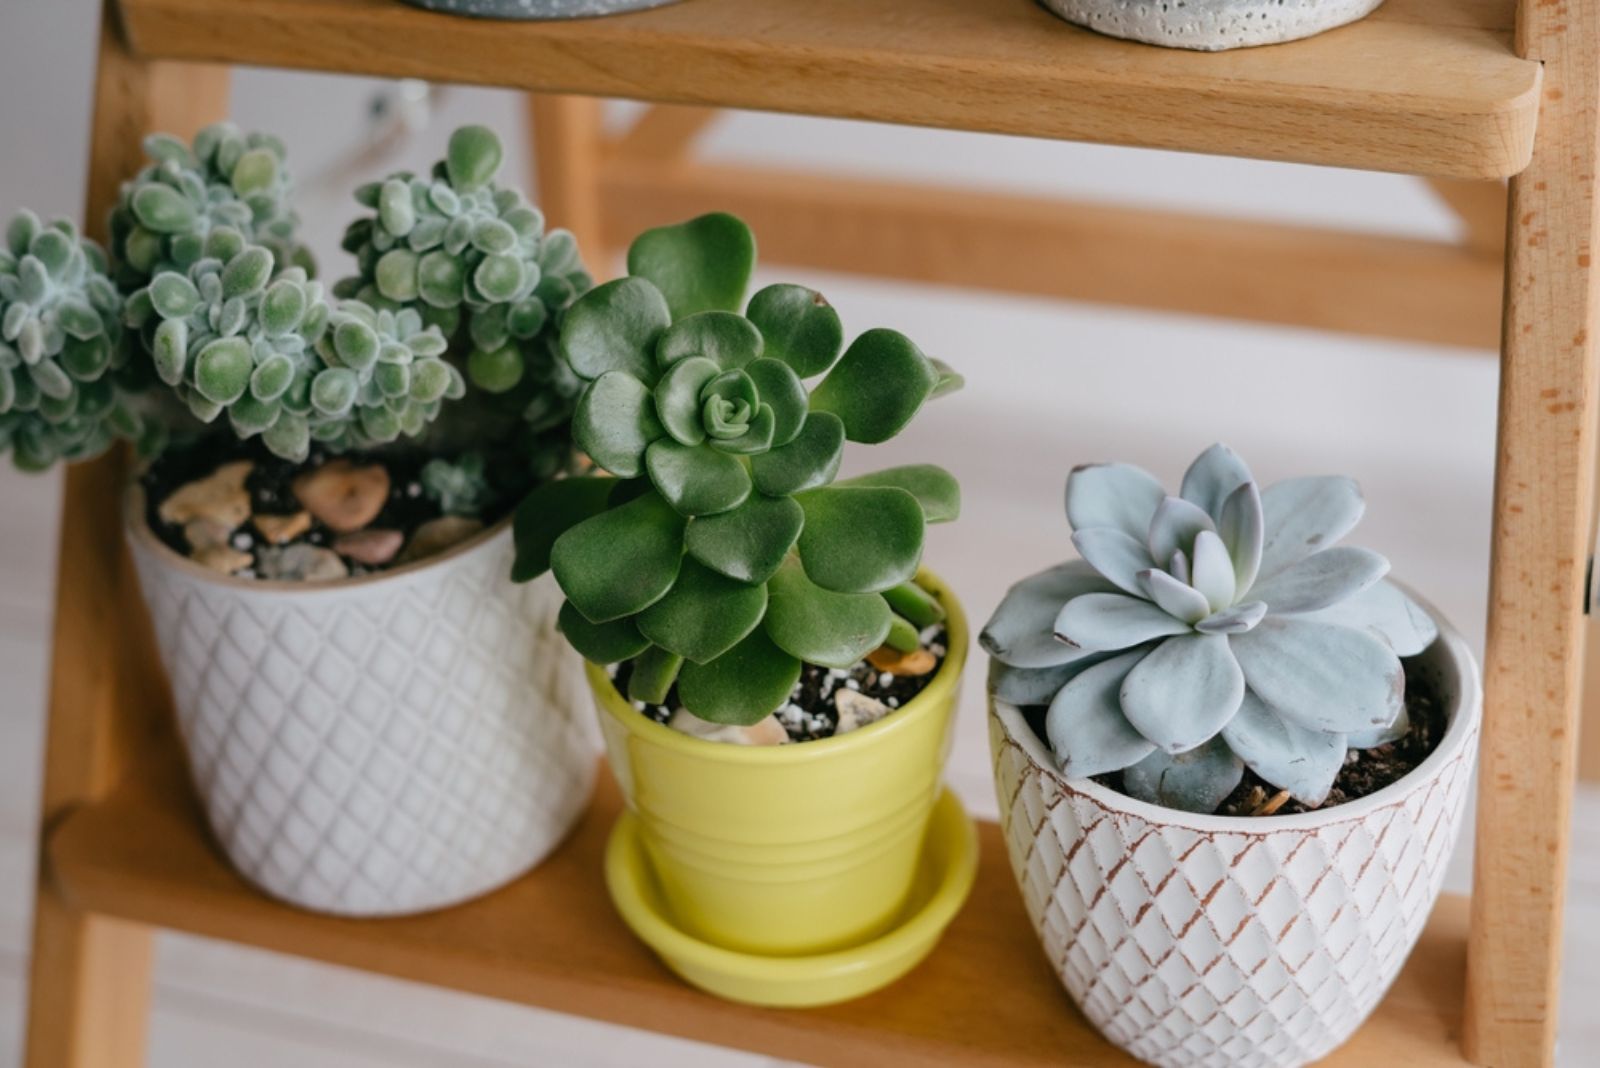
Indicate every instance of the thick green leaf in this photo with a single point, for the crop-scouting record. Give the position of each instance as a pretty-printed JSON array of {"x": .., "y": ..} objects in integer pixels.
[
  {"x": 615, "y": 422},
  {"x": 678, "y": 398},
  {"x": 809, "y": 461},
  {"x": 743, "y": 686},
  {"x": 654, "y": 672},
  {"x": 601, "y": 643},
  {"x": 700, "y": 265},
  {"x": 697, "y": 480},
  {"x": 917, "y": 605},
  {"x": 902, "y": 635},
  {"x": 782, "y": 389},
  {"x": 877, "y": 386},
  {"x": 473, "y": 157},
  {"x": 934, "y": 488},
  {"x": 704, "y": 615},
  {"x": 820, "y": 626},
  {"x": 860, "y": 539},
  {"x": 800, "y": 327},
  {"x": 950, "y": 379},
  {"x": 757, "y": 437},
  {"x": 549, "y": 512},
  {"x": 728, "y": 340},
  {"x": 621, "y": 561},
  {"x": 749, "y": 542},
  {"x": 615, "y": 327}
]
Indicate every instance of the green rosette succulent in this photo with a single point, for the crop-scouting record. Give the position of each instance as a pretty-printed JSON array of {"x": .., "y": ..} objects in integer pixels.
[
  {"x": 472, "y": 257},
  {"x": 723, "y": 554},
  {"x": 225, "y": 179},
  {"x": 230, "y": 336},
  {"x": 1210, "y": 631},
  {"x": 60, "y": 347}
]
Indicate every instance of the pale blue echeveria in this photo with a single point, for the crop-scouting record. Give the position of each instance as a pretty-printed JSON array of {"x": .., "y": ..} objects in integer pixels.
[{"x": 1209, "y": 631}]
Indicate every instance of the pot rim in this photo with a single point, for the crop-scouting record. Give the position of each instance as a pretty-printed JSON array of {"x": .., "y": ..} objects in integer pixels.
[
  {"x": 1464, "y": 706},
  {"x": 943, "y": 687},
  {"x": 139, "y": 533}
]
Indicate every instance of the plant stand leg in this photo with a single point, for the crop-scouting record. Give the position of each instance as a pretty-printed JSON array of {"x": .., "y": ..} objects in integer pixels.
[
  {"x": 568, "y": 147},
  {"x": 1543, "y": 485},
  {"x": 89, "y": 988}
]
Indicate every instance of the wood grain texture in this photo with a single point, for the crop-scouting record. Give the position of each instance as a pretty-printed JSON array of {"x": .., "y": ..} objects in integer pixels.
[
  {"x": 1481, "y": 208},
  {"x": 664, "y": 133},
  {"x": 1542, "y": 505},
  {"x": 88, "y": 994},
  {"x": 565, "y": 134},
  {"x": 985, "y": 999},
  {"x": 1369, "y": 284},
  {"x": 1422, "y": 86}
]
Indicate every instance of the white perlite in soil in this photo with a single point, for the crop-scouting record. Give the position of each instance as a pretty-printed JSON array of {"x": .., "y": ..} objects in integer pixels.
[{"x": 1211, "y": 25}]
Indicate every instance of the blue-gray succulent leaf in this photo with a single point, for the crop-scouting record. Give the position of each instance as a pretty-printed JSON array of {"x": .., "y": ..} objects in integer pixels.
[
  {"x": 1105, "y": 621},
  {"x": 1173, "y": 528},
  {"x": 1196, "y": 781},
  {"x": 1321, "y": 579},
  {"x": 1385, "y": 610},
  {"x": 1184, "y": 692},
  {"x": 1113, "y": 495},
  {"x": 1213, "y": 477},
  {"x": 1242, "y": 525},
  {"x": 1178, "y": 599},
  {"x": 1322, "y": 676},
  {"x": 1021, "y": 632},
  {"x": 1116, "y": 554},
  {"x": 1178, "y": 567},
  {"x": 1036, "y": 686},
  {"x": 1234, "y": 620},
  {"x": 1285, "y": 754},
  {"x": 1085, "y": 725},
  {"x": 1381, "y": 735},
  {"x": 1213, "y": 570},
  {"x": 1305, "y": 516}
]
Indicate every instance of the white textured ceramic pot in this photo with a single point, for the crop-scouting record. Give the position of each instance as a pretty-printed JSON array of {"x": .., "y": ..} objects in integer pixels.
[
  {"x": 1197, "y": 941},
  {"x": 1211, "y": 25},
  {"x": 380, "y": 745}
]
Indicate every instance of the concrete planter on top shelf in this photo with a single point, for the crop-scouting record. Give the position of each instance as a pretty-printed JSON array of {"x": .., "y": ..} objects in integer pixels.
[
  {"x": 1211, "y": 25},
  {"x": 537, "y": 9}
]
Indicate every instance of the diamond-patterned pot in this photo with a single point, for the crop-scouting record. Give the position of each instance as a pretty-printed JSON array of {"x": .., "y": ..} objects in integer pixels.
[
  {"x": 1196, "y": 941},
  {"x": 380, "y": 745}
]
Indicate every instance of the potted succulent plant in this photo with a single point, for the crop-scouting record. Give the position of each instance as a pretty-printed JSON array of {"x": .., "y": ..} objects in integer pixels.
[
  {"x": 782, "y": 680},
  {"x": 376, "y": 721},
  {"x": 1231, "y": 758}
]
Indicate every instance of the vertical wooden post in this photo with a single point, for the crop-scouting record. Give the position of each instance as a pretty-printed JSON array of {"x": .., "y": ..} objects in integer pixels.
[
  {"x": 89, "y": 988},
  {"x": 568, "y": 148},
  {"x": 1543, "y": 486}
]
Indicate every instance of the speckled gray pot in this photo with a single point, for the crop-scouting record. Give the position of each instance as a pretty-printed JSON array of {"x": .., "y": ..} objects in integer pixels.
[
  {"x": 537, "y": 9},
  {"x": 1211, "y": 25}
]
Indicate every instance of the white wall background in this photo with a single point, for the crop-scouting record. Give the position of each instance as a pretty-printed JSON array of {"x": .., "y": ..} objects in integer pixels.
[{"x": 1051, "y": 384}]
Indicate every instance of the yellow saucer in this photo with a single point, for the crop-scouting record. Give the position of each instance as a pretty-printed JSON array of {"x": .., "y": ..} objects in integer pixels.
[{"x": 949, "y": 865}]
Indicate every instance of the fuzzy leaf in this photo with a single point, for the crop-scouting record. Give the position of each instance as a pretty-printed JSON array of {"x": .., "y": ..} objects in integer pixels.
[
  {"x": 1085, "y": 725},
  {"x": 1196, "y": 781},
  {"x": 615, "y": 327},
  {"x": 1113, "y": 495},
  {"x": 860, "y": 540},
  {"x": 1214, "y": 476},
  {"x": 173, "y": 295},
  {"x": 615, "y": 421},
  {"x": 800, "y": 327},
  {"x": 820, "y": 626},
  {"x": 696, "y": 480},
  {"x": 1306, "y": 515},
  {"x": 933, "y": 487},
  {"x": 700, "y": 265},
  {"x": 1288, "y": 756},
  {"x": 1320, "y": 675},
  {"x": 704, "y": 614},
  {"x": 162, "y": 209},
  {"x": 1021, "y": 632},
  {"x": 222, "y": 370},
  {"x": 622, "y": 561},
  {"x": 781, "y": 389},
  {"x": 549, "y": 512},
  {"x": 730, "y": 341},
  {"x": 247, "y": 272},
  {"x": 741, "y": 687},
  {"x": 1385, "y": 610},
  {"x": 1184, "y": 692},
  {"x": 1118, "y": 556},
  {"x": 498, "y": 370},
  {"x": 749, "y": 542},
  {"x": 877, "y": 387},
  {"x": 472, "y": 158},
  {"x": 1321, "y": 579},
  {"x": 1098, "y": 622}
]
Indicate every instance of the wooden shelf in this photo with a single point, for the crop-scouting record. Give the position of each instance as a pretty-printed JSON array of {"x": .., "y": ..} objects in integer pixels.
[
  {"x": 986, "y": 996},
  {"x": 1422, "y": 86}
]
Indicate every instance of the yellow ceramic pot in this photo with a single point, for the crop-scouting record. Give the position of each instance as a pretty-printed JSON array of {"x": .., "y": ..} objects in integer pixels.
[{"x": 788, "y": 850}]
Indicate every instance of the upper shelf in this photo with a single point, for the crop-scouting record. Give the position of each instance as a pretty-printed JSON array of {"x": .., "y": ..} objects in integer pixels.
[{"x": 1422, "y": 86}]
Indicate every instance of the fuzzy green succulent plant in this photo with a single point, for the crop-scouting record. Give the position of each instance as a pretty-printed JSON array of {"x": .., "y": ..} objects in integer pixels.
[
  {"x": 225, "y": 179},
  {"x": 471, "y": 257},
  {"x": 723, "y": 554},
  {"x": 60, "y": 347},
  {"x": 1210, "y": 631}
]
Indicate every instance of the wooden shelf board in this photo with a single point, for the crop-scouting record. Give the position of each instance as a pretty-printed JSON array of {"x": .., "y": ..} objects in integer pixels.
[
  {"x": 1422, "y": 86},
  {"x": 985, "y": 998}
]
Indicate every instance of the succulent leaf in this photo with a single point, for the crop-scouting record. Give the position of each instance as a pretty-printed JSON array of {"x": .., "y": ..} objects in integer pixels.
[
  {"x": 645, "y": 534},
  {"x": 549, "y": 512},
  {"x": 741, "y": 687},
  {"x": 730, "y": 341},
  {"x": 1086, "y": 726},
  {"x": 877, "y": 387},
  {"x": 1321, "y": 579},
  {"x": 749, "y": 542},
  {"x": 1118, "y": 556},
  {"x": 1386, "y": 611},
  {"x": 1306, "y": 515},
  {"x": 601, "y": 643},
  {"x": 654, "y": 672},
  {"x": 1113, "y": 495},
  {"x": 1184, "y": 691},
  {"x": 860, "y": 540},
  {"x": 704, "y": 615},
  {"x": 1213, "y": 477},
  {"x": 1197, "y": 781},
  {"x": 821, "y": 626},
  {"x": 810, "y": 460},
  {"x": 1021, "y": 633},
  {"x": 934, "y": 488},
  {"x": 800, "y": 327},
  {"x": 1304, "y": 762},
  {"x": 615, "y": 422},
  {"x": 1174, "y": 528},
  {"x": 700, "y": 265},
  {"x": 1097, "y": 622},
  {"x": 1320, "y": 675},
  {"x": 697, "y": 480}
]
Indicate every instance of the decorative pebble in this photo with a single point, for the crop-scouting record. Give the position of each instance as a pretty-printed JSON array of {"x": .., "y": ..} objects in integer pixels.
[
  {"x": 767, "y": 732},
  {"x": 219, "y": 497},
  {"x": 437, "y": 535},
  {"x": 204, "y": 534},
  {"x": 916, "y": 663},
  {"x": 301, "y": 563},
  {"x": 856, "y": 710},
  {"x": 280, "y": 529},
  {"x": 370, "y": 547},
  {"x": 342, "y": 495},
  {"x": 223, "y": 558}
]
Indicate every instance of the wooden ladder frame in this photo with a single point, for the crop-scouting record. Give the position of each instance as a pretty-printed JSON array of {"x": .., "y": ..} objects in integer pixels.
[{"x": 91, "y": 973}]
